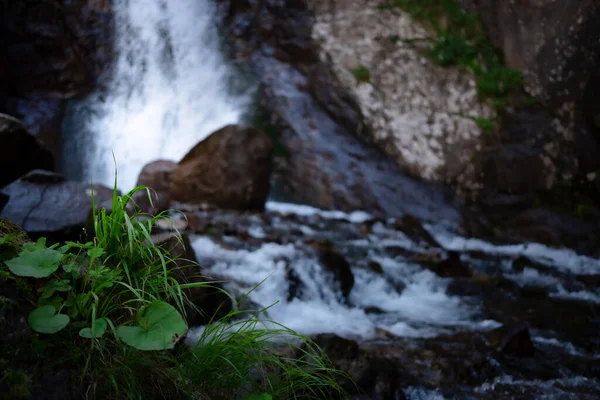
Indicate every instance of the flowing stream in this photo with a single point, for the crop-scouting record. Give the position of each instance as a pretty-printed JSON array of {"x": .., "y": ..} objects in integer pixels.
[{"x": 169, "y": 88}]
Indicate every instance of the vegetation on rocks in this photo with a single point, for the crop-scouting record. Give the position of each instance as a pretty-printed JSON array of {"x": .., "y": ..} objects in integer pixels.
[
  {"x": 110, "y": 314},
  {"x": 459, "y": 39}
]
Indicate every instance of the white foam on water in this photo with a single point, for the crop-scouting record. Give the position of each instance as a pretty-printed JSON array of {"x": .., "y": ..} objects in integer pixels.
[
  {"x": 421, "y": 308},
  {"x": 562, "y": 259},
  {"x": 168, "y": 91},
  {"x": 412, "y": 393},
  {"x": 355, "y": 217}
]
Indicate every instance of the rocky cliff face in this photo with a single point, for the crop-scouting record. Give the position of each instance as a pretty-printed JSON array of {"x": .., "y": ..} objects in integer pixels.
[
  {"x": 417, "y": 112},
  {"x": 331, "y": 162},
  {"x": 359, "y": 103},
  {"x": 52, "y": 50}
]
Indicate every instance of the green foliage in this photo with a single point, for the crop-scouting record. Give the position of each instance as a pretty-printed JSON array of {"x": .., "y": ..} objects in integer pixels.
[
  {"x": 361, "y": 74},
  {"x": 460, "y": 40},
  {"x": 159, "y": 327},
  {"x": 102, "y": 283},
  {"x": 36, "y": 261},
  {"x": 45, "y": 320},
  {"x": 117, "y": 305}
]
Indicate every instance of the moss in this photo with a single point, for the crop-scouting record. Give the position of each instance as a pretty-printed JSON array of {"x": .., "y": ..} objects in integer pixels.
[
  {"x": 460, "y": 40},
  {"x": 361, "y": 74},
  {"x": 16, "y": 384},
  {"x": 9, "y": 248}
]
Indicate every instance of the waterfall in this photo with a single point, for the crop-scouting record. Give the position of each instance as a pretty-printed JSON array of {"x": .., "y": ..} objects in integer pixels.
[{"x": 169, "y": 88}]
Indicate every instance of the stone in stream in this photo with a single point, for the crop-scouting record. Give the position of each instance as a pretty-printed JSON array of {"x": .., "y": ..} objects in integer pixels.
[
  {"x": 20, "y": 152},
  {"x": 44, "y": 204},
  {"x": 229, "y": 169},
  {"x": 513, "y": 339},
  {"x": 335, "y": 262},
  {"x": 413, "y": 228}
]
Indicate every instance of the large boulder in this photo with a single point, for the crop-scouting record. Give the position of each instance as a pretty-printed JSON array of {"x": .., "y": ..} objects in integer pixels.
[
  {"x": 416, "y": 111},
  {"x": 229, "y": 169},
  {"x": 20, "y": 152},
  {"x": 44, "y": 204}
]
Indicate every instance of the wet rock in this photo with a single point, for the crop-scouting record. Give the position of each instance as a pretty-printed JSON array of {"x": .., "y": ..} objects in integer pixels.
[
  {"x": 328, "y": 164},
  {"x": 513, "y": 340},
  {"x": 295, "y": 285},
  {"x": 46, "y": 205},
  {"x": 375, "y": 267},
  {"x": 20, "y": 152},
  {"x": 548, "y": 227},
  {"x": 210, "y": 300},
  {"x": 157, "y": 177},
  {"x": 229, "y": 169},
  {"x": 334, "y": 261},
  {"x": 337, "y": 347},
  {"x": 412, "y": 227},
  {"x": 453, "y": 267}
]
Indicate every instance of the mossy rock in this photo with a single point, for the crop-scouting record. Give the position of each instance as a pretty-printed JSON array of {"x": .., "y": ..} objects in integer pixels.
[{"x": 14, "y": 245}]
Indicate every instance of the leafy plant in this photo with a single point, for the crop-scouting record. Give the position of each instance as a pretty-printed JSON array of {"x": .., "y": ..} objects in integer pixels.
[
  {"x": 117, "y": 303},
  {"x": 104, "y": 282}
]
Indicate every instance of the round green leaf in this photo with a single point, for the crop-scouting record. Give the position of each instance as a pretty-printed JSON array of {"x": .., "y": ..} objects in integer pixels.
[
  {"x": 97, "y": 330},
  {"x": 44, "y": 320},
  {"x": 160, "y": 326},
  {"x": 36, "y": 261}
]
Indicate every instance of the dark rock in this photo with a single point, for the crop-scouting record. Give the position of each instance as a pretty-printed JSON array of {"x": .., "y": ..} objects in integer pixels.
[
  {"x": 3, "y": 201},
  {"x": 514, "y": 169},
  {"x": 45, "y": 205},
  {"x": 53, "y": 50},
  {"x": 20, "y": 152},
  {"x": 295, "y": 284},
  {"x": 332, "y": 260},
  {"x": 453, "y": 267},
  {"x": 556, "y": 45},
  {"x": 211, "y": 300},
  {"x": 156, "y": 176},
  {"x": 512, "y": 340},
  {"x": 337, "y": 347},
  {"x": 229, "y": 169},
  {"x": 547, "y": 227},
  {"x": 412, "y": 227},
  {"x": 375, "y": 267}
]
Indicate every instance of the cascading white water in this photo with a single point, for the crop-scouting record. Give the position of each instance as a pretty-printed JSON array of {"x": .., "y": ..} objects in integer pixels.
[{"x": 169, "y": 89}]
